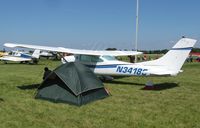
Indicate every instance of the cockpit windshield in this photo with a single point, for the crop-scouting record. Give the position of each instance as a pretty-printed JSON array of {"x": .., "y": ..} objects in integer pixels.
[{"x": 111, "y": 58}]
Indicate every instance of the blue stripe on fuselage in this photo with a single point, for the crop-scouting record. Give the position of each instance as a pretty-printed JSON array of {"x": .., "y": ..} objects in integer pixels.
[
  {"x": 186, "y": 48},
  {"x": 103, "y": 66},
  {"x": 25, "y": 56}
]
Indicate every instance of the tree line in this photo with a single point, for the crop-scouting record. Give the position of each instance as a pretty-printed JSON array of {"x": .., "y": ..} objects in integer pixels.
[{"x": 155, "y": 51}]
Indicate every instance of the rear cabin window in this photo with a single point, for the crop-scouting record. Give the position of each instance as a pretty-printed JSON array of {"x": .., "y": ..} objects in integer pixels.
[{"x": 111, "y": 58}]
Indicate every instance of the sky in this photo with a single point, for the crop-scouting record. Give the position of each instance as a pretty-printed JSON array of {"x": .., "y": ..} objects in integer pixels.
[{"x": 99, "y": 24}]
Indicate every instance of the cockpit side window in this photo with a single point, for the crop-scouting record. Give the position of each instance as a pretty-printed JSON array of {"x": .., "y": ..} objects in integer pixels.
[
  {"x": 96, "y": 59},
  {"x": 87, "y": 58},
  {"x": 84, "y": 58}
]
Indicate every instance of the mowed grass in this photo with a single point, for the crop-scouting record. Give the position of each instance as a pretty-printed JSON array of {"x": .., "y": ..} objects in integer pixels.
[{"x": 175, "y": 105}]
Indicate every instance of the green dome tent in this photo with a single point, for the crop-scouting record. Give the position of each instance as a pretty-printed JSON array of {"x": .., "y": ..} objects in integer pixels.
[{"x": 72, "y": 83}]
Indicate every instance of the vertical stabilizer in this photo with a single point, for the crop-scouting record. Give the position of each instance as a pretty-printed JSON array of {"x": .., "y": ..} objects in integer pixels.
[
  {"x": 36, "y": 54},
  {"x": 175, "y": 57}
]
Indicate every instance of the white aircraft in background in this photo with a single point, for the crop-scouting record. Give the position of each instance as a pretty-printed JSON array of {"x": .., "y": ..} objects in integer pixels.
[
  {"x": 22, "y": 57},
  {"x": 46, "y": 54},
  {"x": 104, "y": 62}
]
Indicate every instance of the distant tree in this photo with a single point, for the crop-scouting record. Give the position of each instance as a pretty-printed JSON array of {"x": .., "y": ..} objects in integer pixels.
[
  {"x": 111, "y": 49},
  {"x": 154, "y": 51},
  {"x": 164, "y": 51},
  {"x": 31, "y": 51},
  {"x": 196, "y": 50}
]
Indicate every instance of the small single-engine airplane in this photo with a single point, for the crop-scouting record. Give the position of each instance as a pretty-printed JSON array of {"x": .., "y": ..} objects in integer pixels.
[
  {"x": 46, "y": 54},
  {"x": 104, "y": 62},
  {"x": 3, "y": 53},
  {"x": 22, "y": 57}
]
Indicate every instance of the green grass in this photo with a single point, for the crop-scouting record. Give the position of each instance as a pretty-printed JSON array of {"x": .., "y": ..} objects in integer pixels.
[{"x": 176, "y": 105}]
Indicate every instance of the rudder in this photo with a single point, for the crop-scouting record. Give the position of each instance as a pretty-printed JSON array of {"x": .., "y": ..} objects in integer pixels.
[{"x": 175, "y": 58}]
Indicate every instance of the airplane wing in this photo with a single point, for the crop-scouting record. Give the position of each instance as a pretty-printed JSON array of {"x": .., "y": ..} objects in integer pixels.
[
  {"x": 74, "y": 51},
  {"x": 15, "y": 59}
]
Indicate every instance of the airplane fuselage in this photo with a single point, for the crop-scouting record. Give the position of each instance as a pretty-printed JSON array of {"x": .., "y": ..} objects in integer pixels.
[
  {"x": 128, "y": 69},
  {"x": 108, "y": 65}
]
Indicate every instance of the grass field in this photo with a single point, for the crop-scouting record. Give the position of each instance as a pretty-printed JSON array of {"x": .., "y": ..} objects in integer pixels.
[{"x": 175, "y": 105}]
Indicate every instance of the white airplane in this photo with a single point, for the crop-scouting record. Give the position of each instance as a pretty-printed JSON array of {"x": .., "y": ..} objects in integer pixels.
[
  {"x": 46, "y": 54},
  {"x": 104, "y": 62},
  {"x": 22, "y": 57}
]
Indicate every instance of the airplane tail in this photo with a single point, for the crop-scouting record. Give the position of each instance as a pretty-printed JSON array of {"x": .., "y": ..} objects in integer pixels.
[
  {"x": 174, "y": 58},
  {"x": 36, "y": 54}
]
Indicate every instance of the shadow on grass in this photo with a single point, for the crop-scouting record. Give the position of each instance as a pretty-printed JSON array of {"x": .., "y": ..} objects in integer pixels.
[
  {"x": 161, "y": 86},
  {"x": 29, "y": 87},
  {"x": 123, "y": 82},
  {"x": 1, "y": 100}
]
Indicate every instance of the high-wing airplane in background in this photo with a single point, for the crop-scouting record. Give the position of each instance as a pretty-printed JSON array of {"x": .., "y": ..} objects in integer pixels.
[
  {"x": 22, "y": 57},
  {"x": 3, "y": 53},
  {"x": 46, "y": 54},
  {"x": 104, "y": 62}
]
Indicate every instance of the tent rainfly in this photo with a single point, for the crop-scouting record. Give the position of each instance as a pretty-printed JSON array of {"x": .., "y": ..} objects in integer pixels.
[{"x": 72, "y": 83}]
